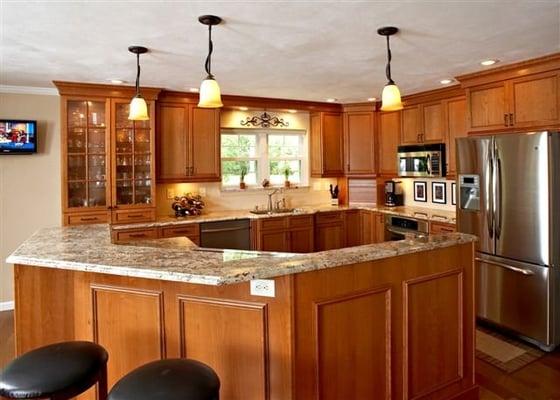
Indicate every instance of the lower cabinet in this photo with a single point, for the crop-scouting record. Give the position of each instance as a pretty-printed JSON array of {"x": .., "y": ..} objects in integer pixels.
[
  {"x": 285, "y": 234},
  {"x": 441, "y": 227},
  {"x": 372, "y": 227},
  {"x": 353, "y": 231},
  {"x": 330, "y": 232}
]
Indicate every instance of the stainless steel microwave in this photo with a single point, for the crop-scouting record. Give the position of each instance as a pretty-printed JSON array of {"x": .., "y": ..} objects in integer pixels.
[{"x": 421, "y": 160}]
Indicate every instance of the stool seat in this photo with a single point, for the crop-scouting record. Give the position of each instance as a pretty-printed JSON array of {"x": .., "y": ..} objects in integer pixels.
[
  {"x": 172, "y": 379},
  {"x": 58, "y": 371}
]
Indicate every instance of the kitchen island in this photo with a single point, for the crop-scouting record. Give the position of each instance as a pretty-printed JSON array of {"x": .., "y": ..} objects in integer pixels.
[{"x": 389, "y": 320}]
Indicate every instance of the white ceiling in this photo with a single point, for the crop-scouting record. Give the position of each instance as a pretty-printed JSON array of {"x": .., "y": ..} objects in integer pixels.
[{"x": 307, "y": 50}]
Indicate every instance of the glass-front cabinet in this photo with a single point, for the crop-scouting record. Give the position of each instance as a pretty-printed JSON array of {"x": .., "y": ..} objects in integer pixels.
[{"x": 107, "y": 160}]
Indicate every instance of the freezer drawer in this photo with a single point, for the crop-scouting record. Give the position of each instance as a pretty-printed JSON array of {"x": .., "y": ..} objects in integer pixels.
[{"x": 514, "y": 295}]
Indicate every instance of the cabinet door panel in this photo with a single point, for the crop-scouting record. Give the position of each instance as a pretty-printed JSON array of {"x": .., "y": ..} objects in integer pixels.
[
  {"x": 410, "y": 125},
  {"x": 274, "y": 241},
  {"x": 301, "y": 240},
  {"x": 329, "y": 237},
  {"x": 456, "y": 128},
  {"x": 367, "y": 225},
  {"x": 353, "y": 229},
  {"x": 172, "y": 142},
  {"x": 333, "y": 158},
  {"x": 315, "y": 148},
  {"x": 534, "y": 100},
  {"x": 432, "y": 117},
  {"x": 359, "y": 143},
  {"x": 205, "y": 144},
  {"x": 379, "y": 221},
  {"x": 488, "y": 108},
  {"x": 389, "y": 132}
]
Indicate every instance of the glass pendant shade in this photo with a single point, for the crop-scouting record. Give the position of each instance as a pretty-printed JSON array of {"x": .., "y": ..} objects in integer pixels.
[
  {"x": 391, "y": 98},
  {"x": 209, "y": 95},
  {"x": 138, "y": 109}
]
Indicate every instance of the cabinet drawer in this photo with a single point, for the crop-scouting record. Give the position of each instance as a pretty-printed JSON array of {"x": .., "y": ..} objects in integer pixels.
[
  {"x": 301, "y": 221},
  {"x": 90, "y": 218},
  {"x": 190, "y": 230},
  {"x": 268, "y": 224},
  {"x": 127, "y": 216},
  {"x": 329, "y": 217},
  {"x": 136, "y": 234},
  {"x": 440, "y": 227}
]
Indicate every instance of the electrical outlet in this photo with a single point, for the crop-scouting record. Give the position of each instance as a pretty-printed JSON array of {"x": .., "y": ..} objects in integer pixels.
[
  {"x": 262, "y": 287},
  {"x": 170, "y": 194}
]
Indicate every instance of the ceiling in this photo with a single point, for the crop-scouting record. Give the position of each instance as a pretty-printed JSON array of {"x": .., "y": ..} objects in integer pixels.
[{"x": 309, "y": 50}]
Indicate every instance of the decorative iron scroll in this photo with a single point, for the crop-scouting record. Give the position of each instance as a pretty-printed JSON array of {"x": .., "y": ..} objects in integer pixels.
[{"x": 265, "y": 120}]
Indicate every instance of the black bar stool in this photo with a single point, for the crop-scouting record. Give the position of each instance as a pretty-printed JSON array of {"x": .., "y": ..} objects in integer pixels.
[
  {"x": 173, "y": 379},
  {"x": 59, "y": 371}
]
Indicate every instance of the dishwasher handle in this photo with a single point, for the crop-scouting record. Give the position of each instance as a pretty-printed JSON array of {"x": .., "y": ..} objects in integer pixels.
[{"x": 216, "y": 230}]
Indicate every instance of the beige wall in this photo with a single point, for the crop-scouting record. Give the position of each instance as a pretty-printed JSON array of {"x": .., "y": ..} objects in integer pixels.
[{"x": 29, "y": 184}]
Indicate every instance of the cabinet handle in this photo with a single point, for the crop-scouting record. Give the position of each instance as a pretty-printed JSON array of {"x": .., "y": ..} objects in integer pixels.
[
  {"x": 505, "y": 120},
  {"x": 136, "y": 235},
  {"x": 510, "y": 119},
  {"x": 134, "y": 215},
  {"x": 109, "y": 208},
  {"x": 88, "y": 219}
]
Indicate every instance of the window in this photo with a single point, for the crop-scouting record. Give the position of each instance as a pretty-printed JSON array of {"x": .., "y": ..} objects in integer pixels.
[{"x": 263, "y": 155}]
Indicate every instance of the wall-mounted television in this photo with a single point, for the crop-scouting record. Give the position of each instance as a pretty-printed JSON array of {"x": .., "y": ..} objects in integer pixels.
[{"x": 18, "y": 136}]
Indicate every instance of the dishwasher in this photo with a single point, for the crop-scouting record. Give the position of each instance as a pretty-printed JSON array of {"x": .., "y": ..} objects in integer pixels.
[{"x": 234, "y": 234}]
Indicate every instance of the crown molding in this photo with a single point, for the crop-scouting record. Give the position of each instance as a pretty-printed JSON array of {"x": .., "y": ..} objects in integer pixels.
[{"x": 28, "y": 90}]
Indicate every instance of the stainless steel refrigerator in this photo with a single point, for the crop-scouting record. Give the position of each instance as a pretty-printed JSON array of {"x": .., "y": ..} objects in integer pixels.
[{"x": 508, "y": 194}]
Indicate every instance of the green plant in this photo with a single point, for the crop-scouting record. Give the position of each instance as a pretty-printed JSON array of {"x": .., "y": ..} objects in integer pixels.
[
  {"x": 287, "y": 172},
  {"x": 243, "y": 172}
]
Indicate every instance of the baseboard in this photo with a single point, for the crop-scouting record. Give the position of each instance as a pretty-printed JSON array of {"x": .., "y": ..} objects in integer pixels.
[{"x": 6, "y": 305}]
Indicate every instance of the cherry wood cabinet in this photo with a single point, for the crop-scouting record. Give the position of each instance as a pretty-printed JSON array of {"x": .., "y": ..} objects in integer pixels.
[
  {"x": 379, "y": 225},
  {"x": 423, "y": 123},
  {"x": 326, "y": 144},
  {"x": 441, "y": 227},
  {"x": 191, "y": 231},
  {"x": 188, "y": 143},
  {"x": 520, "y": 96},
  {"x": 456, "y": 127},
  {"x": 330, "y": 230},
  {"x": 388, "y": 139},
  {"x": 292, "y": 234},
  {"x": 353, "y": 228},
  {"x": 107, "y": 160},
  {"x": 359, "y": 142},
  {"x": 372, "y": 227}
]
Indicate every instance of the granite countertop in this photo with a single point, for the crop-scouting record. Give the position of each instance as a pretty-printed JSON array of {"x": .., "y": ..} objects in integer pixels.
[
  {"x": 88, "y": 248},
  {"x": 209, "y": 216}
]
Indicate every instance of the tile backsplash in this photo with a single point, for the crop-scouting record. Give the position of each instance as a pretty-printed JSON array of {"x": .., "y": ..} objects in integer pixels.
[{"x": 408, "y": 189}]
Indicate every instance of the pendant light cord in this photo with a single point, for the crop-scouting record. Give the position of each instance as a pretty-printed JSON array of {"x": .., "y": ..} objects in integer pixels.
[
  {"x": 137, "y": 74},
  {"x": 388, "y": 68},
  {"x": 208, "y": 63}
]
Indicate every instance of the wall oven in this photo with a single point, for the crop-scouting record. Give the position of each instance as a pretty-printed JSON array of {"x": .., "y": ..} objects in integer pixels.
[
  {"x": 399, "y": 228},
  {"x": 422, "y": 160}
]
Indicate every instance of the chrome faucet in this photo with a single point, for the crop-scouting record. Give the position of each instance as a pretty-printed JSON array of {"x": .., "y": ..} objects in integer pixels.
[{"x": 270, "y": 209}]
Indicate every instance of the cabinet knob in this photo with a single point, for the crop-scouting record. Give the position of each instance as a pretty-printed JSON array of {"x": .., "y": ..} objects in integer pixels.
[{"x": 505, "y": 119}]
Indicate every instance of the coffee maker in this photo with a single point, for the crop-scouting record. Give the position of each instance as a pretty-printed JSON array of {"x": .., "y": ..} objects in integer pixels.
[{"x": 393, "y": 194}]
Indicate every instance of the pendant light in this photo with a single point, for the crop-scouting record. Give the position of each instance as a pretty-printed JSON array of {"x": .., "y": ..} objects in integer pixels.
[
  {"x": 138, "y": 106},
  {"x": 391, "y": 96},
  {"x": 209, "y": 94}
]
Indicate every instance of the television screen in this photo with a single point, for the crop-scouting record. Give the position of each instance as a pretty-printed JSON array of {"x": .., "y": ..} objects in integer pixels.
[{"x": 18, "y": 137}]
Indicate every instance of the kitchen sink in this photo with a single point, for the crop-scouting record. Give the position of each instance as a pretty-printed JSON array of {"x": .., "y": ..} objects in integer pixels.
[{"x": 275, "y": 211}]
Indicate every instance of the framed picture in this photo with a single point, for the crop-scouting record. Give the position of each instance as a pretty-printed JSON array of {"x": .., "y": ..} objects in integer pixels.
[
  {"x": 420, "y": 189},
  {"x": 438, "y": 192},
  {"x": 453, "y": 193}
]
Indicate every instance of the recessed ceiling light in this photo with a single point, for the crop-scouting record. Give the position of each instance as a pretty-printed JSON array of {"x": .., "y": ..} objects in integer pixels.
[
  {"x": 446, "y": 81},
  {"x": 371, "y": 99},
  {"x": 116, "y": 81},
  {"x": 292, "y": 111},
  {"x": 331, "y": 100},
  {"x": 487, "y": 63},
  {"x": 243, "y": 108},
  {"x": 193, "y": 90}
]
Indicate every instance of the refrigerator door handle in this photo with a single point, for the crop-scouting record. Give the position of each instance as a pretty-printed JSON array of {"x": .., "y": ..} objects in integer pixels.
[
  {"x": 506, "y": 266},
  {"x": 489, "y": 194},
  {"x": 498, "y": 200}
]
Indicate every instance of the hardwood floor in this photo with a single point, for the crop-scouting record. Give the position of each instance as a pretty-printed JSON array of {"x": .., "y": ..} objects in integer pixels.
[{"x": 539, "y": 380}]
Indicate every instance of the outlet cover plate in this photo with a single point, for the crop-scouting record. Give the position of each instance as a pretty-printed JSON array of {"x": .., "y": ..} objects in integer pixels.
[{"x": 263, "y": 287}]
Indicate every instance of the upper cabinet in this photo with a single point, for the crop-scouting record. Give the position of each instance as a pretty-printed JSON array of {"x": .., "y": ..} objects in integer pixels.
[
  {"x": 107, "y": 160},
  {"x": 188, "y": 143},
  {"x": 359, "y": 142},
  {"x": 423, "y": 123},
  {"x": 521, "y": 96},
  {"x": 455, "y": 111},
  {"x": 388, "y": 139},
  {"x": 326, "y": 145}
]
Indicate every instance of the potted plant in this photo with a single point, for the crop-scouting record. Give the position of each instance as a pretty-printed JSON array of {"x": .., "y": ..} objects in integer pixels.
[
  {"x": 243, "y": 172},
  {"x": 287, "y": 172}
]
